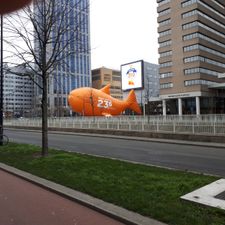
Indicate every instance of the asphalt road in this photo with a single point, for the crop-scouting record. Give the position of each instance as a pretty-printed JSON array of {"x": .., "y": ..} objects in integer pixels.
[{"x": 185, "y": 157}]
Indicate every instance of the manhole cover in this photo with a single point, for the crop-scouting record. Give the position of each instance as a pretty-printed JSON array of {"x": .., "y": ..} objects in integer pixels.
[{"x": 221, "y": 196}]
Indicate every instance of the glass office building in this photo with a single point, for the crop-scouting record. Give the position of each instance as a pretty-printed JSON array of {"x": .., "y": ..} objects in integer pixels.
[{"x": 75, "y": 69}]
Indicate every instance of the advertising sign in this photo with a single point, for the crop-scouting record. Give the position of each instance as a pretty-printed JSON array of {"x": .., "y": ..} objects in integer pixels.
[{"x": 132, "y": 75}]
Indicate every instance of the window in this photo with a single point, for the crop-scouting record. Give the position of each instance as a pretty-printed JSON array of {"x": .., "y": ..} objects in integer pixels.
[
  {"x": 190, "y": 25},
  {"x": 166, "y": 64},
  {"x": 198, "y": 82},
  {"x": 165, "y": 22},
  {"x": 193, "y": 59},
  {"x": 164, "y": 33},
  {"x": 107, "y": 77},
  {"x": 165, "y": 43},
  {"x": 165, "y": 75},
  {"x": 116, "y": 78},
  {"x": 164, "y": 54},
  {"x": 163, "y": 2},
  {"x": 187, "y": 3},
  {"x": 166, "y": 85},
  {"x": 164, "y": 12},
  {"x": 203, "y": 59},
  {"x": 204, "y": 37},
  {"x": 203, "y": 48},
  {"x": 201, "y": 70},
  {"x": 190, "y": 13}
]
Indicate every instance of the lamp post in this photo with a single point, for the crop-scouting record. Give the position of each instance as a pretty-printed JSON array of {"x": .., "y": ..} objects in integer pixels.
[{"x": 1, "y": 83}]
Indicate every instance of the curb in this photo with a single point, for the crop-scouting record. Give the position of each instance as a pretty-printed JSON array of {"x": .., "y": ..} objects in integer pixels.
[{"x": 113, "y": 211}]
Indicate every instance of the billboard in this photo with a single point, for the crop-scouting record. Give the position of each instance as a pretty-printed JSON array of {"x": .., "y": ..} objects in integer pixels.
[{"x": 132, "y": 75}]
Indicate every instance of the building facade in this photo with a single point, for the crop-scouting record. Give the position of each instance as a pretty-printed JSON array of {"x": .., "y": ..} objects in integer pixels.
[
  {"x": 192, "y": 56},
  {"x": 74, "y": 70},
  {"x": 18, "y": 93},
  {"x": 103, "y": 76},
  {"x": 150, "y": 87}
]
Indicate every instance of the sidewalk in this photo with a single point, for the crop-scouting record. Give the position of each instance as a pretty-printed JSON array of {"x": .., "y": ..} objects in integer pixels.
[{"x": 40, "y": 201}]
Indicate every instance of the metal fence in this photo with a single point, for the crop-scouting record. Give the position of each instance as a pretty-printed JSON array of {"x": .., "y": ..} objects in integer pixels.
[{"x": 202, "y": 124}]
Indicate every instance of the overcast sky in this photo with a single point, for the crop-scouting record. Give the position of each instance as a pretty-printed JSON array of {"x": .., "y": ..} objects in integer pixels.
[{"x": 123, "y": 31}]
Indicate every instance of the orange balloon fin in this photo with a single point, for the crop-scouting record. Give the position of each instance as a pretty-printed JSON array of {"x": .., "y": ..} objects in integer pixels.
[
  {"x": 106, "y": 89},
  {"x": 132, "y": 101}
]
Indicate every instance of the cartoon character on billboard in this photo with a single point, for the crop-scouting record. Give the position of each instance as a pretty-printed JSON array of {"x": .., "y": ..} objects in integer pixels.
[{"x": 131, "y": 73}]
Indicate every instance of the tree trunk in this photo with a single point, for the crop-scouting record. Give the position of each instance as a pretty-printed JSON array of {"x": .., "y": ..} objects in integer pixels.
[{"x": 44, "y": 119}]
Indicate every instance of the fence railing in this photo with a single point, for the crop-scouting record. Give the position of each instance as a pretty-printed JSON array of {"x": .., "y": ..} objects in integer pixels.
[{"x": 204, "y": 124}]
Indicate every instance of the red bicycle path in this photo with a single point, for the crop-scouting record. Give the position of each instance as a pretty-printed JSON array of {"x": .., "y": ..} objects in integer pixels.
[{"x": 24, "y": 203}]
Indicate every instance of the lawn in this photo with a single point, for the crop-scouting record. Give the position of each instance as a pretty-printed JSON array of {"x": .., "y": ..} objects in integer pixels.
[{"x": 147, "y": 190}]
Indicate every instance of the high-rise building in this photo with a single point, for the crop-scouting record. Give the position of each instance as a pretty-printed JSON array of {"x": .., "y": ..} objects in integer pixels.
[
  {"x": 103, "y": 76},
  {"x": 192, "y": 56},
  {"x": 75, "y": 69}
]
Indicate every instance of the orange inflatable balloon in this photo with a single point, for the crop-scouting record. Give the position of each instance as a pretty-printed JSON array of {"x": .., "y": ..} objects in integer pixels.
[
  {"x": 7, "y": 6},
  {"x": 92, "y": 102}
]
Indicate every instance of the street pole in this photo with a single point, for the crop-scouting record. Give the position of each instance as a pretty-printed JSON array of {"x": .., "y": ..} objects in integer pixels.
[{"x": 1, "y": 84}]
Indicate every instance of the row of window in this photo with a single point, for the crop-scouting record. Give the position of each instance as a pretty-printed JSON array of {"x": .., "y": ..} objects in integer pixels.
[
  {"x": 165, "y": 22},
  {"x": 188, "y": 83},
  {"x": 203, "y": 48},
  {"x": 203, "y": 59},
  {"x": 198, "y": 82},
  {"x": 189, "y": 2},
  {"x": 163, "y": 2},
  {"x": 11, "y": 108},
  {"x": 116, "y": 78},
  {"x": 16, "y": 77},
  {"x": 16, "y": 96},
  {"x": 166, "y": 75},
  {"x": 166, "y": 64},
  {"x": 190, "y": 13},
  {"x": 165, "y": 43},
  {"x": 204, "y": 37},
  {"x": 201, "y": 70},
  {"x": 164, "y": 54},
  {"x": 17, "y": 103},
  {"x": 164, "y": 33},
  {"x": 166, "y": 85},
  {"x": 164, "y": 12}
]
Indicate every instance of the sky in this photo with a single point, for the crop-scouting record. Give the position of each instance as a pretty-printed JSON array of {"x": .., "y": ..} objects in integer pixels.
[{"x": 123, "y": 31}]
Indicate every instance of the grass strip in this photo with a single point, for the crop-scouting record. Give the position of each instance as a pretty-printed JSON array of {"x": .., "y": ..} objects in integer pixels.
[{"x": 147, "y": 190}]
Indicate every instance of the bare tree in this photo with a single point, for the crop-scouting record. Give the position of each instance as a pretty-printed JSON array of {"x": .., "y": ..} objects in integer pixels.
[{"x": 41, "y": 37}]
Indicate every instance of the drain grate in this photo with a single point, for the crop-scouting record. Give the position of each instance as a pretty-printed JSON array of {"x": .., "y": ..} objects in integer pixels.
[{"x": 221, "y": 196}]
